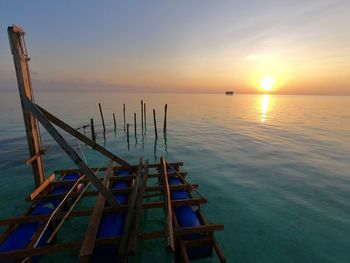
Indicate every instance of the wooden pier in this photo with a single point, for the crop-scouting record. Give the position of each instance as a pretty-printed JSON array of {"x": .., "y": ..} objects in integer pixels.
[{"x": 142, "y": 184}]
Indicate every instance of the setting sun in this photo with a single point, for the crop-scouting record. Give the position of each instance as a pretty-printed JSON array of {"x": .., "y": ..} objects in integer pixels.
[{"x": 267, "y": 83}]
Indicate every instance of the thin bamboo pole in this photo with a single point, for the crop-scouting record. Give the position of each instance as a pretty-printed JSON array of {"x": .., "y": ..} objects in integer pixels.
[
  {"x": 93, "y": 135},
  {"x": 102, "y": 118},
  {"x": 124, "y": 115},
  {"x": 142, "y": 116},
  {"x": 135, "y": 124},
  {"x": 115, "y": 123},
  {"x": 165, "y": 115},
  {"x": 144, "y": 112},
  {"x": 155, "y": 123}
]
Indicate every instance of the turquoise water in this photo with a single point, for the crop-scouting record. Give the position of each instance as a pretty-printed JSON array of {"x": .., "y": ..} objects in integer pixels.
[{"x": 276, "y": 169}]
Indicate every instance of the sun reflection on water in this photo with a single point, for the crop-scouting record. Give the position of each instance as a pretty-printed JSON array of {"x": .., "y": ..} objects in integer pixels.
[{"x": 264, "y": 107}]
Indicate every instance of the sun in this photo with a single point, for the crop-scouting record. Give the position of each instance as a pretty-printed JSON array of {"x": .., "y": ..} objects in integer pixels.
[{"x": 267, "y": 83}]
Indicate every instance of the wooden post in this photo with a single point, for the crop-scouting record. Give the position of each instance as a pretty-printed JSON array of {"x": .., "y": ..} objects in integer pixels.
[
  {"x": 144, "y": 112},
  {"x": 165, "y": 113},
  {"x": 142, "y": 116},
  {"x": 103, "y": 121},
  {"x": 127, "y": 132},
  {"x": 20, "y": 58},
  {"x": 124, "y": 115},
  {"x": 115, "y": 123},
  {"x": 155, "y": 123},
  {"x": 93, "y": 135},
  {"x": 135, "y": 124}
]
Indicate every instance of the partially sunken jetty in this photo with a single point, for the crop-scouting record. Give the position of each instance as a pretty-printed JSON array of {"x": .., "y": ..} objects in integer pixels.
[{"x": 123, "y": 190}]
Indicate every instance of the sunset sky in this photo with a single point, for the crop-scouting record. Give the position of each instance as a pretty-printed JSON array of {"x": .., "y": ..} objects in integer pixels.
[{"x": 181, "y": 46}]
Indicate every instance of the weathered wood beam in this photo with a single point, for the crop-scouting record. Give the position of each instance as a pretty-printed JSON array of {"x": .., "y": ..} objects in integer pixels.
[
  {"x": 167, "y": 199},
  {"x": 30, "y": 106},
  {"x": 85, "y": 194},
  {"x": 42, "y": 187},
  {"x": 95, "y": 219},
  {"x": 194, "y": 201},
  {"x": 130, "y": 216},
  {"x": 138, "y": 211},
  {"x": 20, "y": 58},
  {"x": 75, "y": 170}
]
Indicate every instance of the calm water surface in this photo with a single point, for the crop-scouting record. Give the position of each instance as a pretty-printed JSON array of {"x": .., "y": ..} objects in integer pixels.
[{"x": 276, "y": 169}]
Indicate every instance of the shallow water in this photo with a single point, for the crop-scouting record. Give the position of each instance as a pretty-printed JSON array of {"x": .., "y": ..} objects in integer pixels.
[{"x": 275, "y": 169}]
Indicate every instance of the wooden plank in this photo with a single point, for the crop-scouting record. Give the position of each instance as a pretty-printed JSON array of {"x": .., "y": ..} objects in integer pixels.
[
  {"x": 64, "y": 126},
  {"x": 184, "y": 251},
  {"x": 171, "y": 242},
  {"x": 138, "y": 210},
  {"x": 56, "y": 248},
  {"x": 112, "y": 179},
  {"x": 194, "y": 201},
  {"x": 130, "y": 217},
  {"x": 172, "y": 187},
  {"x": 20, "y": 58},
  {"x": 95, "y": 219},
  {"x": 43, "y": 151},
  {"x": 201, "y": 242},
  {"x": 219, "y": 251},
  {"x": 77, "y": 170},
  {"x": 88, "y": 211},
  {"x": 85, "y": 194},
  {"x": 180, "y": 241},
  {"x": 69, "y": 151},
  {"x": 42, "y": 187}
]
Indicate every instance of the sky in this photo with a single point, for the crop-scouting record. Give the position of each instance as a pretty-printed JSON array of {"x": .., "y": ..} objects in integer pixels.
[{"x": 181, "y": 46}]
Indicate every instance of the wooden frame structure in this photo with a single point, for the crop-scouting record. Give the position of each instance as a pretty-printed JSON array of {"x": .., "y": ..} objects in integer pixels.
[
  {"x": 137, "y": 203},
  {"x": 137, "y": 181}
]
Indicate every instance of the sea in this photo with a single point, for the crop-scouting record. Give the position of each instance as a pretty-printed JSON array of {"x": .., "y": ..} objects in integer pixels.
[{"x": 275, "y": 168}]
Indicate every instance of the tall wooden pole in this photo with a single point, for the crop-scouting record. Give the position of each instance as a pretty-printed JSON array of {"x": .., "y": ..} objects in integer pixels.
[
  {"x": 165, "y": 113},
  {"x": 155, "y": 123},
  {"x": 115, "y": 123},
  {"x": 20, "y": 58},
  {"x": 142, "y": 116},
  {"x": 103, "y": 120},
  {"x": 144, "y": 112},
  {"x": 135, "y": 124},
  {"x": 124, "y": 115},
  {"x": 93, "y": 135}
]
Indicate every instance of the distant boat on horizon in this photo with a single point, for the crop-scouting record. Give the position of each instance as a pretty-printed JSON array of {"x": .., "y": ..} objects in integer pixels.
[{"x": 229, "y": 92}]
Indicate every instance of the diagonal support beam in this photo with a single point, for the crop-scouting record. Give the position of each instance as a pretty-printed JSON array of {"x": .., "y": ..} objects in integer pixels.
[
  {"x": 30, "y": 106},
  {"x": 64, "y": 126}
]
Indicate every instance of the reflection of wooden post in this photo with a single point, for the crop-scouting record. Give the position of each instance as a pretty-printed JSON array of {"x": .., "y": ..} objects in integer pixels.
[
  {"x": 93, "y": 135},
  {"x": 142, "y": 116},
  {"x": 155, "y": 123},
  {"x": 127, "y": 132},
  {"x": 124, "y": 115},
  {"x": 165, "y": 113},
  {"x": 103, "y": 120},
  {"x": 20, "y": 58},
  {"x": 115, "y": 123}
]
